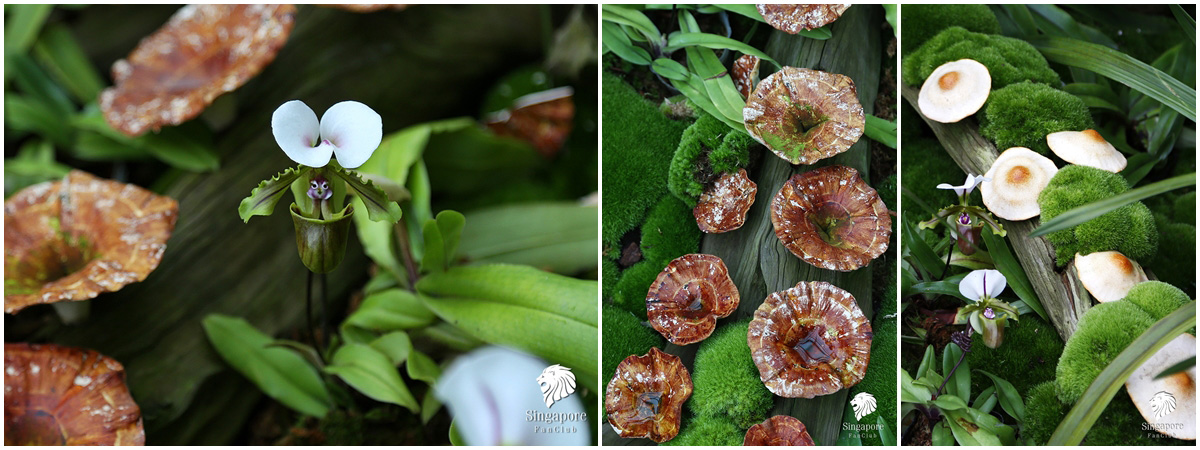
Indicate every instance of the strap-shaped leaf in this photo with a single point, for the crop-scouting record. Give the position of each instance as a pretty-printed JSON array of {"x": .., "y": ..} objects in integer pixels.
[
  {"x": 679, "y": 40},
  {"x": 434, "y": 259},
  {"x": 379, "y": 206},
  {"x": 882, "y": 131},
  {"x": 392, "y": 309},
  {"x": 371, "y": 372},
  {"x": 421, "y": 367},
  {"x": 396, "y": 345},
  {"x": 263, "y": 198},
  {"x": 671, "y": 69},
  {"x": 618, "y": 42},
  {"x": 450, "y": 223}
]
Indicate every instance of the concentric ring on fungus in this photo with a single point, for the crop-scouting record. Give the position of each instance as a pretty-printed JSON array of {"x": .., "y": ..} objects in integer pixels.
[
  {"x": 805, "y": 115},
  {"x": 724, "y": 204},
  {"x": 645, "y": 397},
  {"x": 793, "y": 18},
  {"x": 831, "y": 219},
  {"x": 778, "y": 431},
  {"x": 810, "y": 340},
  {"x": 688, "y": 297}
]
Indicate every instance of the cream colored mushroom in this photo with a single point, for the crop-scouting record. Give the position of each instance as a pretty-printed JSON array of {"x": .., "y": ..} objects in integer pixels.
[
  {"x": 1014, "y": 182},
  {"x": 955, "y": 90},
  {"x": 1108, "y": 276},
  {"x": 1169, "y": 403},
  {"x": 1086, "y": 148}
]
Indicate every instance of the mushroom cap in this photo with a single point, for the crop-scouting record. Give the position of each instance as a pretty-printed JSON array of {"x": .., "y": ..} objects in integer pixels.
[
  {"x": 1014, "y": 182},
  {"x": 57, "y": 395},
  {"x": 645, "y": 398},
  {"x": 831, "y": 219},
  {"x": 778, "y": 431},
  {"x": 71, "y": 240},
  {"x": 1168, "y": 404},
  {"x": 723, "y": 205},
  {"x": 805, "y": 115},
  {"x": 1108, "y": 276},
  {"x": 688, "y": 297},
  {"x": 793, "y": 18},
  {"x": 955, "y": 90},
  {"x": 1086, "y": 148},
  {"x": 745, "y": 74},
  {"x": 543, "y": 119},
  {"x": 203, "y": 51},
  {"x": 810, "y": 340}
]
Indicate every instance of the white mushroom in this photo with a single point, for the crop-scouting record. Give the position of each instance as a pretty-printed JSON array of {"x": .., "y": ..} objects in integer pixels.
[
  {"x": 955, "y": 90},
  {"x": 1086, "y": 148},
  {"x": 1168, "y": 404},
  {"x": 1014, "y": 182},
  {"x": 1108, "y": 276}
]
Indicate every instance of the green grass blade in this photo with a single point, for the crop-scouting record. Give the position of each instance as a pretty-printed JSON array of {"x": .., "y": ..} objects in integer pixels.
[
  {"x": 748, "y": 10},
  {"x": 1185, "y": 21},
  {"x": 1008, "y": 265},
  {"x": 23, "y": 25},
  {"x": 882, "y": 131},
  {"x": 679, "y": 40},
  {"x": 1096, "y": 209}
]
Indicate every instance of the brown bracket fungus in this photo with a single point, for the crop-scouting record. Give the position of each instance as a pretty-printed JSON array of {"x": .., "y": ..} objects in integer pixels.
[
  {"x": 1014, "y": 182},
  {"x": 1108, "y": 276},
  {"x": 778, "y": 431},
  {"x": 724, "y": 204},
  {"x": 543, "y": 119},
  {"x": 810, "y": 340},
  {"x": 805, "y": 115},
  {"x": 793, "y": 18},
  {"x": 955, "y": 90},
  {"x": 1169, "y": 403},
  {"x": 688, "y": 297},
  {"x": 73, "y": 239},
  {"x": 745, "y": 74},
  {"x": 57, "y": 395},
  {"x": 831, "y": 219},
  {"x": 645, "y": 398},
  {"x": 202, "y": 52},
  {"x": 1086, "y": 148}
]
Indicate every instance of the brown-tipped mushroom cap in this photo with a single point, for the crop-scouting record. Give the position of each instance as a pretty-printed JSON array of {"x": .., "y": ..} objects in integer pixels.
[
  {"x": 831, "y": 219},
  {"x": 724, "y": 204},
  {"x": 1086, "y": 148},
  {"x": 688, "y": 297},
  {"x": 745, "y": 74},
  {"x": 1168, "y": 404},
  {"x": 793, "y": 18},
  {"x": 645, "y": 397},
  {"x": 75, "y": 238},
  {"x": 810, "y": 340},
  {"x": 778, "y": 431},
  {"x": 1108, "y": 276},
  {"x": 202, "y": 52},
  {"x": 1014, "y": 182},
  {"x": 65, "y": 396},
  {"x": 805, "y": 115},
  {"x": 955, "y": 90}
]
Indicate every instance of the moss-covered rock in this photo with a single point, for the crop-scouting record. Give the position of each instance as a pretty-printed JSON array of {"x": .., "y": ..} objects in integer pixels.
[
  {"x": 1119, "y": 424},
  {"x": 707, "y": 149},
  {"x": 1008, "y": 60},
  {"x": 1158, "y": 299},
  {"x": 1129, "y": 229},
  {"x": 630, "y": 291},
  {"x": 1104, "y": 331},
  {"x": 925, "y": 165},
  {"x": 1028, "y": 356},
  {"x": 922, "y": 22},
  {"x": 726, "y": 382},
  {"x": 1022, "y": 114},
  {"x": 708, "y": 430},
  {"x": 624, "y": 335},
  {"x": 1175, "y": 262},
  {"x": 1185, "y": 209},
  {"x": 734, "y": 152},
  {"x": 670, "y": 231}
]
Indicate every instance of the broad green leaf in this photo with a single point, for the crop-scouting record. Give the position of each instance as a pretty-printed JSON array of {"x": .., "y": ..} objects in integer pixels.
[
  {"x": 22, "y": 26},
  {"x": 1009, "y": 398},
  {"x": 950, "y": 402},
  {"x": 450, "y": 336},
  {"x": 986, "y": 400},
  {"x": 960, "y": 383},
  {"x": 967, "y": 429},
  {"x": 748, "y": 10},
  {"x": 421, "y": 367},
  {"x": 396, "y": 345},
  {"x": 881, "y": 130},
  {"x": 419, "y": 207},
  {"x": 60, "y": 53},
  {"x": 523, "y": 286},
  {"x": 942, "y": 436},
  {"x": 717, "y": 82},
  {"x": 24, "y": 113},
  {"x": 92, "y": 146},
  {"x": 618, "y": 42},
  {"x": 377, "y": 239},
  {"x": 34, "y": 163},
  {"x": 1008, "y": 265},
  {"x": 434, "y": 260},
  {"x": 34, "y": 82},
  {"x": 281, "y": 373},
  {"x": 1090, "y": 211},
  {"x": 949, "y": 286},
  {"x": 450, "y": 224},
  {"x": 357, "y": 335},
  {"x": 891, "y": 14},
  {"x": 670, "y": 69},
  {"x": 560, "y": 237},
  {"x": 372, "y": 373},
  {"x": 400, "y": 150},
  {"x": 455, "y": 438},
  {"x": 680, "y": 40},
  {"x": 819, "y": 34},
  {"x": 392, "y": 309},
  {"x": 886, "y": 435},
  {"x": 923, "y": 256},
  {"x": 633, "y": 18},
  {"x": 172, "y": 146},
  {"x": 911, "y": 393},
  {"x": 263, "y": 198},
  {"x": 927, "y": 362},
  {"x": 694, "y": 90},
  {"x": 379, "y": 206},
  {"x": 430, "y": 405}
]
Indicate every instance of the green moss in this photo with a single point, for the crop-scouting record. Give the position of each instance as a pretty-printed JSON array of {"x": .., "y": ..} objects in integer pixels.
[
  {"x": 1022, "y": 114},
  {"x": 1185, "y": 209},
  {"x": 707, "y": 149},
  {"x": 880, "y": 379},
  {"x": 609, "y": 274},
  {"x": 922, "y": 22},
  {"x": 624, "y": 335},
  {"x": 726, "y": 381},
  {"x": 1175, "y": 262},
  {"x": 1104, "y": 331},
  {"x": 1129, "y": 229},
  {"x": 708, "y": 430},
  {"x": 912, "y": 127},
  {"x": 1028, "y": 356},
  {"x": 1043, "y": 412},
  {"x": 1119, "y": 424},
  {"x": 734, "y": 152},
  {"x": 1008, "y": 60},
  {"x": 925, "y": 165},
  {"x": 670, "y": 231},
  {"x": 630, "y": 291},
  {"x": 1156, "y": 298}
]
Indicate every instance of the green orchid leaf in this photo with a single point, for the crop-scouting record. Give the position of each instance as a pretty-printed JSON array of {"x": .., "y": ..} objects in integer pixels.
[
  {"x": 986, "y": 400},
  {"x": 748, "y": 10},
  {"x": 927, "y": 361},
  {"x": 450, "y": 225},
  {"x": 379, "y": 206},
  {"x": 618, "y": 42},
  {"x": 396, "y": 345},
  {"x": 523, "y": 286},
  {"x": 434, "y": 259},
  {"x": 1009, "y": 398},
  {"x": 357, "y": 335},
  {"x": 1177, "y": 367},
  {"x": 23, "y": 26},
  {"x": 560, "y": 237},
  {"x": 633, "y": 18},
  {"x": 942, "y": 436},
  {"x": 949, "y": 402},
  {"x": 882, "y": 131},
  {"x": 430, "y": 405},
  {"x": 389, "y": 310},
  {"x": 372, "y": 373},
  {"x": 670, "y": 69},
  {"x": 307, "y": 351},
  {"x": 400, "y": 150},
  {"x": 910, "y": 392},
  {"x": 262, "y": 199},
  {"x": 680, "y": 40},
  {"x": 960, "y": 382},
  {"x": 421, "y": 367},
  {"x": 60, "y": 53}
]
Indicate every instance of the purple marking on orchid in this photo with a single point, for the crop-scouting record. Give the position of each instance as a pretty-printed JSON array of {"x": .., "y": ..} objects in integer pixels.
[
  {"x": 964, "y": 219},
  {"x": 989, "y": 313},
  {"x": 318, "y": 189}
]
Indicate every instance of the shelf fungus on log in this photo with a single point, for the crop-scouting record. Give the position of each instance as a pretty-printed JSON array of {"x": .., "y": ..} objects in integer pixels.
[
  {"x": 202, "y": 52},
  {"x": 831, "y": 219},
  {"x": 805, "y": 115},
  {"x": 778, "y": 431},
  {"x": 723, "y": 205},
  {"x": 810, "y": 340},
  {"x": 645, "y": 398},
  {"x": 793, "y": 18},
  {"x": 73, "y": 239},
  {"x": 542, "y": 119},
  {"x": 688, "y": 297},
  {"x": 57, "y": 395},
  {"x": 745, "y": 74}
]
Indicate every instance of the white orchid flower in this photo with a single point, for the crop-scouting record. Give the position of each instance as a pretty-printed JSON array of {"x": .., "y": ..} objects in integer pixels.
[
  {"x": 494, "y": 396},
  {"x": 350, "y": 130},
  {"x": 981, "y": 284},
  {"x": 967, "y": 186}
]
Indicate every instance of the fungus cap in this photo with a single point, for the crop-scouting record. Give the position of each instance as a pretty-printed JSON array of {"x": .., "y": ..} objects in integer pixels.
[
  {"x": 805, "y": 115},
  {"x": 1168, "y": 404},
  {"x": 778, "y": 431},
  {"x": 688, "y": 297},
  {"x": 1108, "y": 276},
  {"x": 810, "y": 340},
  {"x": 745, "y": 74},
  {"x": 831, "y": 219},
  {"x": 724, "y": 204},
  {"x": 1086, "y": 148},
  {"x": 955, "y": 90},
  {"x": 57, "y": 395},
  {"x": 793, "y": 18},
  {"x": 1014, "y": 182},
  {"x": 645, "y": 397},
  {"x": 542, "y": 119}
]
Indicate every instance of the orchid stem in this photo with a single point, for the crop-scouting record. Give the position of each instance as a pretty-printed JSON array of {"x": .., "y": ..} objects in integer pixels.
[
  {"x": 955, "y": 369},
  {"x": 308, "y": 314},
  {"x": 410, "y": 264},
  {"x": 324, "y": 309}
]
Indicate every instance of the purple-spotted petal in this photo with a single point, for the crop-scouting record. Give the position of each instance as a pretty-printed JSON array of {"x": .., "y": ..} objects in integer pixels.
[
  {"x": 981, "y": 283},
  {"x": 354, "y": 130},
  {"x": 297, "y": 132}
]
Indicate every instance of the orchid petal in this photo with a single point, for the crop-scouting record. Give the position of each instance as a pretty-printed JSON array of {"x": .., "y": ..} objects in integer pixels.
[
  {"x": 982, "y": 283},
  {"x": 297, "y": 132},
  {"x": 355, "y": 131},
  {"x": 995, "y": 283}
]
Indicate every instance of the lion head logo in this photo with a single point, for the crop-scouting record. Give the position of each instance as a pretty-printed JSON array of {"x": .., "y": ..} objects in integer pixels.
[
  {"x": 557, "y": 382},
  {"x": 863, "y": 403},
  {"x": 1162, "y": 403}
]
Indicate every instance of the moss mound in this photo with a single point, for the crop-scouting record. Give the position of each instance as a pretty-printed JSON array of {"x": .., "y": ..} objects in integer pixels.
[
  {"x": 926, "y": 164},
  {"x": 708, "y": 430},
  {"x": 1129, "y": 229},
  {"x": 707, "y": 149},
  {"x": 1175, "y": 262},
  {"x": 1158, "y": 299},
  {"x": 1043, "y": 412},
  {"x": 1008, "y": 60},
  {"x": 1185, "y": 209},
  {"x": 922, "y": 22},
  {"x": 1119, "y": 424},
  {"x": 1022, "y": 114},
  {"x": 624, "y": 335},
  {"x": 726, "y": 381},
  {"x": 1104, "y": 331},
  {"x": 670, "y": 231},
  {"x": 609, "y": 273},
  {"x": 1028, "y": 356},
  {"x": 630, "y": 291}
]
